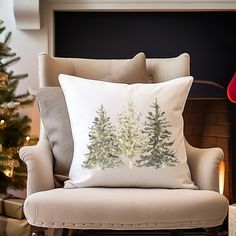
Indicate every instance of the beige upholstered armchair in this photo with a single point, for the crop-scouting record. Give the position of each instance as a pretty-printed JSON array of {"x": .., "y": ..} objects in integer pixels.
[{"x": 49, "y": 205}]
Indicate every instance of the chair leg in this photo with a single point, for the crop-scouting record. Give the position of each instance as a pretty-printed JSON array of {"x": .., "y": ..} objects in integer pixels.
[
  {"x": 37, "y": 234},
  {"x": 212, "y": 231},
  {"x": 65, "y": 232},
  {"x": 177, "y": 232},
  {"x": 38, "y": 231},
  {"x": 60, "y": 232}
]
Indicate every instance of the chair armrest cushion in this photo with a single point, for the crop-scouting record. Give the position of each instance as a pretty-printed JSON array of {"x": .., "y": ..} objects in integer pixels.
[
  {"x": 204, "y": 166},
  {"x": 39, "y": 161}
]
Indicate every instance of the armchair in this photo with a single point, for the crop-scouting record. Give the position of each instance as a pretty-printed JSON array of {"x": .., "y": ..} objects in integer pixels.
[{"x": 105, "y": 208}]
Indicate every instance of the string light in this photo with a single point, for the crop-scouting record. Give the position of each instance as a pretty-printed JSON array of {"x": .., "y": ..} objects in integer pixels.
[
  {"x": 3, "y": 77},
  {"x": 2, "y": 122},
  {"x": 27, "y": 138},
  {"x": 8, "y": 172}
]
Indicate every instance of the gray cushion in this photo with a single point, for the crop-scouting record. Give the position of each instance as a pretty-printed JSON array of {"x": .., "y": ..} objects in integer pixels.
[{"x": 57, "y": 125}]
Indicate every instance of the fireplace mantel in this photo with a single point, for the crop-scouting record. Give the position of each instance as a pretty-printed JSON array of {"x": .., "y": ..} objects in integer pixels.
[
  {"x": 28, "y": 17},
  {"x": 153, "y": 5}
]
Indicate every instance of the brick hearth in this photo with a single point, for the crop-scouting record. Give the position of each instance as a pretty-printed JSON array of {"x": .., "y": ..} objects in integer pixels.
[{"x": 207, "y": 124}]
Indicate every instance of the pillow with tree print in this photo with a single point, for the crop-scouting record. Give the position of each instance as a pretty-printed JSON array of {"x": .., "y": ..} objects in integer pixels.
[{"x": 127, "y": 135}]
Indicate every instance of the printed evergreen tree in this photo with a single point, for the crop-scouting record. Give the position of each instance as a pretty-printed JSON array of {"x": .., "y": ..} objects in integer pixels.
[
  {"x": 131, "y": 140},
  {"x": 103, "y": 147},
  {"x": 14, "y": 129},
  {"x": 158, "y": 153}
]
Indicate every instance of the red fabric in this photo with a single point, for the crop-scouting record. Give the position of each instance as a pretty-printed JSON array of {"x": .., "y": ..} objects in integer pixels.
[{"x": 231, "y": 89}]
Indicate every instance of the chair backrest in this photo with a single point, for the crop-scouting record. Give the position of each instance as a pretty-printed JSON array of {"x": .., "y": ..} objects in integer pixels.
[{"x": 160, "y": 70}]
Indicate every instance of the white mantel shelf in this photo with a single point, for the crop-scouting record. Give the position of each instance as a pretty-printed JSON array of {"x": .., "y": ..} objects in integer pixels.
[
  {"x": 27, "y": 13},
  {"x": 142, "y": 5}
]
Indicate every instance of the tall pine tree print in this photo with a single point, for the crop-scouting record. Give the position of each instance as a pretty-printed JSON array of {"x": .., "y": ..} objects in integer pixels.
[
  {"x": 158, "y": 153},
  {"x": 103, "y": 147},
  {"x": 131, "y": 140}
]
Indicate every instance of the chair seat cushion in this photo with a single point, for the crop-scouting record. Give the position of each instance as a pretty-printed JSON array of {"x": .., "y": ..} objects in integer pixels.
[{"x": 126, "y": 208}]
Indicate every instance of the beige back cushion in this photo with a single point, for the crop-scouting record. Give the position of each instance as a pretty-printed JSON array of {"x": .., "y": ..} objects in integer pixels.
[{"x": 160, "y": 69}]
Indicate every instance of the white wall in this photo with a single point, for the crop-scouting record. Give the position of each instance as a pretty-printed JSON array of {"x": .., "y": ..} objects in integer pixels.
[{"x": 27, "y": 44}]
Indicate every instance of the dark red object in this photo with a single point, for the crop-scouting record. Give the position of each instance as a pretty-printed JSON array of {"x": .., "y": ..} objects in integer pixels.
[{"x": 231, "y": 89}]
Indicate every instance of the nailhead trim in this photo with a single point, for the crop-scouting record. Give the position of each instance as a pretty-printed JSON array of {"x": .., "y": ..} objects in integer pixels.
[{"x": 161, "y": 225}]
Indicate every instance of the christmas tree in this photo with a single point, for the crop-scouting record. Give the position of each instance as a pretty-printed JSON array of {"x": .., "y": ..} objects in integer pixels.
[
  {"x": 158, "y": 152},
  {"x": 13, "y": 128},
  {"x": 103, "y": 147},
  {"x": 131, "y": 140}
]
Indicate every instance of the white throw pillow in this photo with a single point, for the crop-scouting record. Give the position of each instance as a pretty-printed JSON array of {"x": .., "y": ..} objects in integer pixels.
[{"x": 127, "y": 135}]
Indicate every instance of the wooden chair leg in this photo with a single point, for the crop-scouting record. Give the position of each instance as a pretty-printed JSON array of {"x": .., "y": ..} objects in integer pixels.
[
  {"x": 60, "y": 232},
  {"x": 177, "y": 232},
  {"x": 38, "y": 231},
  {"x": 212, "y": 231},
  {"x": 65, "y": 232}
]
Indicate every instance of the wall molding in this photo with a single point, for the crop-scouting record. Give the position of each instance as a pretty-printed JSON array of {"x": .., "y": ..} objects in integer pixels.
[{"x": 27, "y": 14}]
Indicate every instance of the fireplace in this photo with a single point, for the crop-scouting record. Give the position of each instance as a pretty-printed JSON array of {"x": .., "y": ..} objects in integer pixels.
[{"x": 209, "y": 38}]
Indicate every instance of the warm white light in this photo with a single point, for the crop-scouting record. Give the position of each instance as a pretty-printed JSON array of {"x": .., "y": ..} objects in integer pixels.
[
  {"x": 221, "y": 176},
  {"x": 2, "y": 122},
  {"x": 8, "y": 173},
  {"x": 27, "y": 138}
]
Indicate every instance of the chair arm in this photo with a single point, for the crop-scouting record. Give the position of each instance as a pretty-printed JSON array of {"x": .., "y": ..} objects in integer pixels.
[
  {"x": 39, "y": 161},
  {"x": 204, "y": 166}
]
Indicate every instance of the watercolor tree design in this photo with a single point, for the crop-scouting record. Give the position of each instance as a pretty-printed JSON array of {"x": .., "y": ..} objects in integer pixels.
[
  {"x": 131, "y": 140},
  {"x": 103, "y": 148},
  {"x": 158, "y": 152},
  {"x": 150, "y": 146}
]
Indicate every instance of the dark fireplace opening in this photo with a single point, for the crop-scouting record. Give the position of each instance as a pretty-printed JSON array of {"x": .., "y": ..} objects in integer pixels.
[{"x": 209, "y": 38}]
